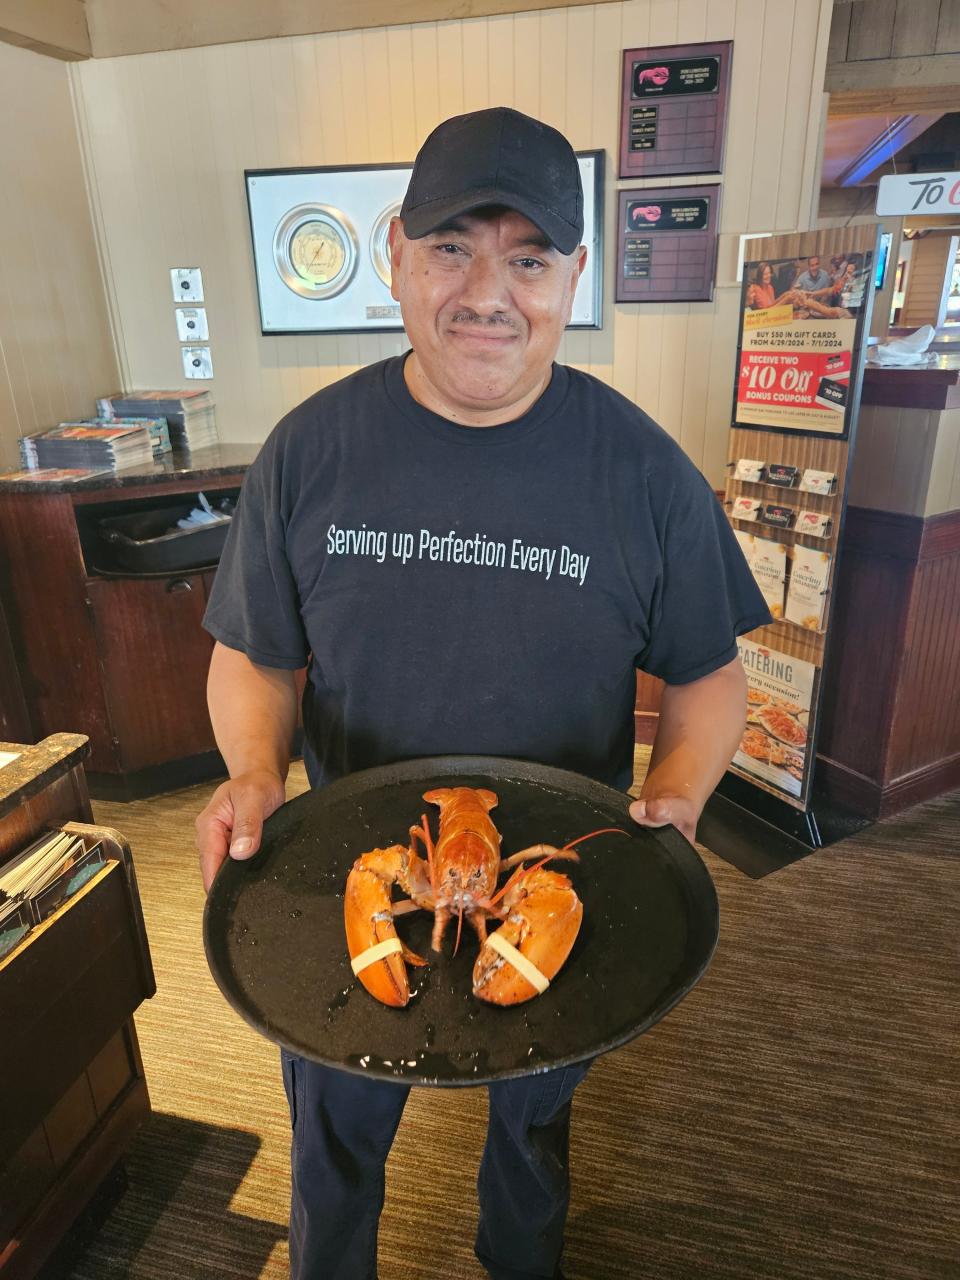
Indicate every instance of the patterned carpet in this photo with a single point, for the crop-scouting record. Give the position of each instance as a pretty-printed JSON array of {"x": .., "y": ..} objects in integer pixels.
[{"x": 795, "y": 1118}]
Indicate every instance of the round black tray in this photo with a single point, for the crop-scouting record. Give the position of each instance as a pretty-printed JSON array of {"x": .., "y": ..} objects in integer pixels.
[{"x": 274, "y": 934}]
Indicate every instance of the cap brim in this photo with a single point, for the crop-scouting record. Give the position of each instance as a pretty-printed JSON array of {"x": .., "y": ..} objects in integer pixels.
[{"x": 428, "y": 217}]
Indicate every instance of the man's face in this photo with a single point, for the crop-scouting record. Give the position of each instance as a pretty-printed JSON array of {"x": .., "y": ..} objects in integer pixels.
[
  {"x": 485, "y": 300},
  {"x": 814, "y": 265}
]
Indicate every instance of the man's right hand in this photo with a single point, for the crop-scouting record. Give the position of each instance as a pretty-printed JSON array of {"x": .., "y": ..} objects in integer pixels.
[{"x": 232, "y": 822}]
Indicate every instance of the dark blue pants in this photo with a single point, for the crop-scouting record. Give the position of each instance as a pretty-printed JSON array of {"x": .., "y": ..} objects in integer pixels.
[{"x": 343, "y": 1127}]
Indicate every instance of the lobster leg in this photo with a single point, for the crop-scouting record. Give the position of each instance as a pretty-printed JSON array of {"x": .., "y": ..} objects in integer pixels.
[
  {"x": 379, "y": 957},
  {"x": 537, "y": 851}
]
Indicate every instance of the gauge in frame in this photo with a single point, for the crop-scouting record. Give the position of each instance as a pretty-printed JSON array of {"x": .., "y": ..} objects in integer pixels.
[
  {"x": 315, "y": 249},
  {"x": 380, "y": 242}
]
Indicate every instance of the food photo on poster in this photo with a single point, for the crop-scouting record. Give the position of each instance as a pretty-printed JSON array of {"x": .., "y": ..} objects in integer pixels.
[
  {"x": 780, "y": 694},
  {"x": 800, "y": 331}
]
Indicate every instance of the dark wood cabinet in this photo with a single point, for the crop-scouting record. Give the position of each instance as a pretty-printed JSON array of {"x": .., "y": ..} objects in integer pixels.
[
  {"x": 117, "y": 657},
  {"x": 72, "y": 1086},
  {"x": 159, "y": 714}
]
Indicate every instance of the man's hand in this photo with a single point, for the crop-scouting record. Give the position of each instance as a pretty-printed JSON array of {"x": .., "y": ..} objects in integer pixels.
[
  {"x": 698, "y": 732},
  {"x": 233, "y": 820},
  {"x": 679, "y": 811}
]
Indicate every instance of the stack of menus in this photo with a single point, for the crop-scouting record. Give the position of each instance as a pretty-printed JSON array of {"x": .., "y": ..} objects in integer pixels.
[{"x": 805, "y": 306}]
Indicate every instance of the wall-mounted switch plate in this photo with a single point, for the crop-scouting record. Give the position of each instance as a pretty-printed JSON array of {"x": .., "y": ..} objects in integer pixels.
[
  {"x": 192, "y": 324},
  {"x": 187, "y": 284},
  {"x": 197, "y": 362}
]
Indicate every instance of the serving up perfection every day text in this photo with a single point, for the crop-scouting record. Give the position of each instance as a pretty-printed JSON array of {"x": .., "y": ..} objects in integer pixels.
[{"x": 451, "y": 548}]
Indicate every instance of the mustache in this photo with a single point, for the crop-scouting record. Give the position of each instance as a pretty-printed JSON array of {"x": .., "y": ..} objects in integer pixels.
[{"x": 472, "y": 318}]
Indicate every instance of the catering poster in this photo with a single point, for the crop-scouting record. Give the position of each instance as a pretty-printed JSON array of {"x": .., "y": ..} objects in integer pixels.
[
  {"x": 801, "y": 326},
  {"x": 775, "y": 749}
]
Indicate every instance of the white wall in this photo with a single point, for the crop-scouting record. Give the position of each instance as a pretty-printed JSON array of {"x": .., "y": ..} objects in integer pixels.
[
  {"x": 56, "y": 350},
  {"x": 168, "y": 135}
]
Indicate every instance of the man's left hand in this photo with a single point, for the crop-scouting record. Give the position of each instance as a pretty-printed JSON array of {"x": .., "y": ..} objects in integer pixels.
[{"x": 679, "y": 811}]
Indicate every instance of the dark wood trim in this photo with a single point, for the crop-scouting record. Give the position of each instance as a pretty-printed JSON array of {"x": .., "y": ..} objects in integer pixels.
[
  {"x": 867, "y": 796},
  {"x": 911, "y": 388},
  {"x": 883, "y": 533},
  {"x": 36, "y": 1239},
  {"x": 941, "y": 536}
]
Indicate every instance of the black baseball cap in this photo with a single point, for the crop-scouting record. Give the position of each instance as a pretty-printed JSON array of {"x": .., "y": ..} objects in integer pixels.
[{"x": 496, "y": 157}]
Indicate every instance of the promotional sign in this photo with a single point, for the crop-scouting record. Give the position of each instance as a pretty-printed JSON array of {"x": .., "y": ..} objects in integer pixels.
[
  {"x": 673, "y": 109},
  {"x": 667, "y": 244},
  {"x": 919, "y": 193},
  {"x": 801, "y": 326},
  {"x": 774, "y": 747}
]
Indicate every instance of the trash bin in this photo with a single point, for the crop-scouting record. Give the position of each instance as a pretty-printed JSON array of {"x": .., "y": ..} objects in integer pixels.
[{"x": 150, "y": 542}]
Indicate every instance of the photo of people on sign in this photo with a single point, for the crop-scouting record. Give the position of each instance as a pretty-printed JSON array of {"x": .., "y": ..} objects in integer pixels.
[
  {"x": 800, "y": 327},
  {"x": 774, "y": 747}
]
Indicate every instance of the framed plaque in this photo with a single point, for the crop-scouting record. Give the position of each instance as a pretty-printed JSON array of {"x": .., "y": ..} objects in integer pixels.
[
  {"x": 321, "y": 252},
  {"x": 674, "y": 109},
  {"x": 667, "y": 244}
]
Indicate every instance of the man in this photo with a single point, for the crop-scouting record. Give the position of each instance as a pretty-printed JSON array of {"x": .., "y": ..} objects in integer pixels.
[
  {"x": 815, "y": 281},
  {"x": 384, "y": 536}
]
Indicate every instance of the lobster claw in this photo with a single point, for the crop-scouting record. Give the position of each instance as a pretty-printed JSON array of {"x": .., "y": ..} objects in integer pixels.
[
  {"x": 378, "y": 957},
  {"x": 520, "y": 959}
]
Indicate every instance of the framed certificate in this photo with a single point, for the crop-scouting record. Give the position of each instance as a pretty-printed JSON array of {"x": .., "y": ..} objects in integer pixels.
[{"x": 321, "y": 252}]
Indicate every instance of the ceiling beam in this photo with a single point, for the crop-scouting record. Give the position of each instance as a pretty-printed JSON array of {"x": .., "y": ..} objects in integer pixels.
[
  {"x": 887, "y": 143},
  {"x": 57, "y": 28},
  {"x": 120, "y": 27}
]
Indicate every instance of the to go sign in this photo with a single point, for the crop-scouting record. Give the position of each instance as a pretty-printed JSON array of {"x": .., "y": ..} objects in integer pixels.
[{"x": 919, "y": 193}]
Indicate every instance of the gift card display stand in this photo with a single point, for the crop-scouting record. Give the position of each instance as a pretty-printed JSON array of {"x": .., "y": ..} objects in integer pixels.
[{"x": 805, "y": 313}]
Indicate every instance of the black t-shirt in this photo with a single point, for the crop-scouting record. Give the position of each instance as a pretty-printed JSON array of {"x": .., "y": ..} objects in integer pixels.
[{"x": 478, "y": 591}]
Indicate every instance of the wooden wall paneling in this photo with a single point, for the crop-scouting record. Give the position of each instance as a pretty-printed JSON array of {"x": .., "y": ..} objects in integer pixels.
[
  {"x": 558, "y": 63},
  {"x": 770, "y": 112},
  {"x": 740, "y": 153},
  {"x": 426, "y": 88},
  {"x": 45, "y": 305},
  {"x": 839, "y": 33},
  {"x": 944, "y": 492},
  {"x": 948, "y": 29},
  {"x": 450, "y": 71},
  {"x": 928, "y": 280},
  {"x": 871, "y": 30},
  {"x": 605, "y": 98},
  {"x": 857, "y": 704},
  {"x": 476, "y": 37},
  {"x": 802, "y": 86},
  {"x": 500, "y": 68},
  {"x": 926, "y": 722},
  {"x": 915, "y": 28}
]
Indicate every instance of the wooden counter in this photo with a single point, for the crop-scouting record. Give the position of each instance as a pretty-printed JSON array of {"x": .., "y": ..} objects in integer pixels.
[
  {"x": 890, "y": 732},
  {"x": 120, "y": 658}
]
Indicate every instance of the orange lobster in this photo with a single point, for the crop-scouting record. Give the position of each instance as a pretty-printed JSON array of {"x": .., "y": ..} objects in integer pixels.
[{"x": 539, "y": 910}]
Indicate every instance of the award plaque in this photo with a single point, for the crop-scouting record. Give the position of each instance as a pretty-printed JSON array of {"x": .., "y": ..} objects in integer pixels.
[
  {"x": 674, "y": 109},
  {"x": 667, "y": 244},
  {"x": 321, "y": 249}
]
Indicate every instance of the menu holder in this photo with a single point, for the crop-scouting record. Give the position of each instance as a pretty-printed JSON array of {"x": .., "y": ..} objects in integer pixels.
[{"x": 783, "y": 437}]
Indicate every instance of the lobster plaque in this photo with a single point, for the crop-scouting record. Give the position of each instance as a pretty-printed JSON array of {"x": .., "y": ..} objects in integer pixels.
[{"x": 674, "y": 109}]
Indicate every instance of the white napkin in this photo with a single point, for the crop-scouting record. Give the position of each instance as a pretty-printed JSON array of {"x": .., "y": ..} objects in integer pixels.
[{"x": 905, "y": 351}]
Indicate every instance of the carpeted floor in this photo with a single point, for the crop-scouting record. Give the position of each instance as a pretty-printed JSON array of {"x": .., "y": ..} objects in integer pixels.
[{"x": 795, "y": 1118}]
